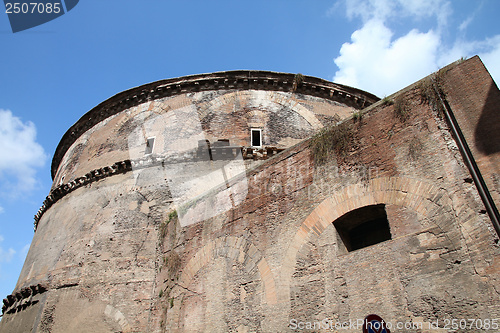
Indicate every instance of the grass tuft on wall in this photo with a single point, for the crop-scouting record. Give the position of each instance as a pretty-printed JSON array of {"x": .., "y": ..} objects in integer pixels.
[{"x": 332, "y": 140}]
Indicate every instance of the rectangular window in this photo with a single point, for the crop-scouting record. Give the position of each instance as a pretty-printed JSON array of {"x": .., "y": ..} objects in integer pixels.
[
  {"x": 149, "y": 146},
  {"x": 256, "y": 137}
]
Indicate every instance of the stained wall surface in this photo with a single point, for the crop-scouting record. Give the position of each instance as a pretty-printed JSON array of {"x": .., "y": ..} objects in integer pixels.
[
  {"x": 475, "y": 98},
  {"x": 181, "y": 121},
  {"x": 127, "y": 252}
]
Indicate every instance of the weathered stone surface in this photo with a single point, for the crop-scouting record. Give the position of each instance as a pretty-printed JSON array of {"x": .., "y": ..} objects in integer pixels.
[{"x": 111, "y": 252}]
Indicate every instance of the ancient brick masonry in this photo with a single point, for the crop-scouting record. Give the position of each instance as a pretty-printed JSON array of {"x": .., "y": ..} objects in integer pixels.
[{"x": 343, "y": 210}]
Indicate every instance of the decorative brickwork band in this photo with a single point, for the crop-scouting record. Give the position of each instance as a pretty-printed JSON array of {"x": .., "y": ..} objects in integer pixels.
[
  {"x": 22, "y": 299},
  {"x": 92, "y": 176}
]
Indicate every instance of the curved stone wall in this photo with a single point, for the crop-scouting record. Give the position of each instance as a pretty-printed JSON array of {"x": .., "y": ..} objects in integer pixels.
[
  {"x": 183, "y": 236},
  {"x": 296, "y": 89},
  {"x": 285, "y": 108}
]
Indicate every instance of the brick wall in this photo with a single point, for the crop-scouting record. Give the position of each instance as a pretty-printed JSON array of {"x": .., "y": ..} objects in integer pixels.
[{"x": 475, "y": 101}]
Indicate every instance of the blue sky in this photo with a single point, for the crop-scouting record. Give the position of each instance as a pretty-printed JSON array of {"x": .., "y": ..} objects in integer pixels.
[{"x": 52, "y": 74}]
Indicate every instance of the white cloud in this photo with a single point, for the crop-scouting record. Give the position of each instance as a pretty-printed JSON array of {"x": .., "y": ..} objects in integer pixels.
[
  {"x": 24, "y": 252},
  {"x": 2, "y": 210},
  {"x": 490, "y": 54},
  {"x": 20, "y": 154},
  {"x": 369, "y": 9},
  {"x": 6, "y": 255},
  {"x": 465, "y": 24},
  {"x": 488, "y": 50},
  {"x": 441, "y": 9},
  {"x": 385, "y": 9},
  {"x": 377, "y": 62}
]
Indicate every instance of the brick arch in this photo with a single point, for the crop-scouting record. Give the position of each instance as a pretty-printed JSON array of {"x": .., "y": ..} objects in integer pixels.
[
  {"x": 89, "y": 315},
  {"x": 118, "y": 317},
  {"x": 424, "y": 198},
  {"x": 236, "y": 248}
]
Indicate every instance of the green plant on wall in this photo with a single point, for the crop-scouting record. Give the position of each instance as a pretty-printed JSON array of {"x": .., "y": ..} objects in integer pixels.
[
  {"x": 332, "y": 140},
  {"x": 357, "y": 116},
  {"x": 298, "y": 79},
  {"x": 172, "y": 263},
  {"x": 172, "y": 215},
  {"x": 170, "y": 260},
  {"x": 430, "y": 88},
  {"x": 387, "y": 101},
  {"x": 402, "y": 107},
  {"x": 164, "y": 225}
]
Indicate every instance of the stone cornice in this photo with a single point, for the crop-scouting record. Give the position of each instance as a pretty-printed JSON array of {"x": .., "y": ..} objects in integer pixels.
[
  {"x": 93, "y": 176},
  {"x": 230, "y": 80},
  {"x": 23, "y": 298}
]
